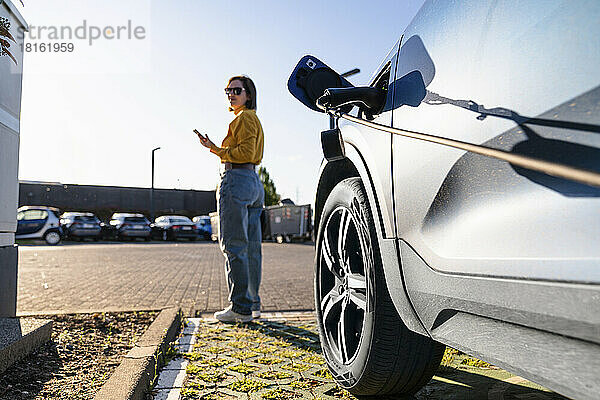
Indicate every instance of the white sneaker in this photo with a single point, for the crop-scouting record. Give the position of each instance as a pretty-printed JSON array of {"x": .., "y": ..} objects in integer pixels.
[
  {"x": 256, "y": 314},
  {"x": 228, "y": 315}
]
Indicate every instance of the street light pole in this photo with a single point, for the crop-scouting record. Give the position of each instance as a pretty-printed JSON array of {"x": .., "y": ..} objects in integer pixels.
[
  {"x": 152, "y": 189},
  {"x": 344, "y": 75}
]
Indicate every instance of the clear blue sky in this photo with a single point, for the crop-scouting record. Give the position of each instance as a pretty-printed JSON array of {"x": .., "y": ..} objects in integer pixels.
[{"x": 93, "y": 116}]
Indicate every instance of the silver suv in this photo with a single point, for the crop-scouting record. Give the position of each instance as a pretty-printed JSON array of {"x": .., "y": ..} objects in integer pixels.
[{"x": 459, "y": 202}]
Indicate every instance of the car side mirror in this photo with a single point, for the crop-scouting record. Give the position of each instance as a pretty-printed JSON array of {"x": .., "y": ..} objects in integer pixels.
[{"x": 311, "y": 78}]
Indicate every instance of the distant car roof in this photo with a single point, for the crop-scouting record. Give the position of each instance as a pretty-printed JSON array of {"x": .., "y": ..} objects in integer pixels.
[
  {"x": 45, "y": 208},
  {"x": 78, "y": 214},
  {"x": 117, "y": 215}
]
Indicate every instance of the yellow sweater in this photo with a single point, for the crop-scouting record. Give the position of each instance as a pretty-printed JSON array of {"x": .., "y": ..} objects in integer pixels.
[{"x": 244, "y": 142}]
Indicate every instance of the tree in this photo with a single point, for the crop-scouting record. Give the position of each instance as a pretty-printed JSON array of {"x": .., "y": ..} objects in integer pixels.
[
  {"x": 271, "y": 196},
  {"x": 5, "y": 36}
]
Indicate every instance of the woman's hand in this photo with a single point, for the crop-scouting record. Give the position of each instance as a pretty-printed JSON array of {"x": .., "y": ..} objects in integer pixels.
[{"x": 204, "y": 140}]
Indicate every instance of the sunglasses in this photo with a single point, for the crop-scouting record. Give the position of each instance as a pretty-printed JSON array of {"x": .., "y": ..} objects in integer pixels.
[{"x": 235, "y": 90}]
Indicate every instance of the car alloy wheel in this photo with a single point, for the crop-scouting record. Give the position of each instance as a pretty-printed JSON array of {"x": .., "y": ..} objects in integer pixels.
[
  {"x": 366, "y": 345},
  {"x": 52, "y": 238},
  {"x": 343, "y": 299}
]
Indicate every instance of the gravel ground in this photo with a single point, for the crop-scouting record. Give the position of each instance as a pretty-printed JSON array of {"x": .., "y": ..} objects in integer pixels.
[{"x": 84, "y": 351}]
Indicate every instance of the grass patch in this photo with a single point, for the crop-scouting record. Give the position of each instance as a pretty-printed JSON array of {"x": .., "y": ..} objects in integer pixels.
[
  {"x": 243, "y": 368},
  {"x": 323, "y": 373},
  {"x": 304, "y": 384},
  {"x": 244, "y": 355},
  {"x": 237, "y": 344},
  {"x": 192, "y": 356},
  {"x": 314, "y": 359},
  {"x": 193, "y": 369},
  {"x": 269, "y": 375},
  {"x": 189, "y": 393},
  {"x": 291, "y": 353},
  {"x": 265, "y": 349},
  {"x": 216, "y": 350},
  {"x": 474, "y": 362},
  {"x": 212, "y": 376},
  {"x": 279, "y": 394},
  {"x": 269, "y": 360},
  {"x": 217, "y": 362},
  {"x": 247, "y": 385},
  {"x": 297, "y": 367}
]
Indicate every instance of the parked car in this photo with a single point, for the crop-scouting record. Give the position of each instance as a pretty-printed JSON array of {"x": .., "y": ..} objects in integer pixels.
[
  {"x": 39, "y": 222},
  {"x": 129, "y": 226},
  {"x": 79, "y": 225},
  {"x": 459, "y": 200},
  {"x": 203, "y": 226},
  {"x": 173, "y": 227}
]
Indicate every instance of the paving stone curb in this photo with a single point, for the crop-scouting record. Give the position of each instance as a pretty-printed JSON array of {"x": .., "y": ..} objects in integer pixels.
[
  {"x": 138, "y": 370},
  {"x": 20, "y": 336}
]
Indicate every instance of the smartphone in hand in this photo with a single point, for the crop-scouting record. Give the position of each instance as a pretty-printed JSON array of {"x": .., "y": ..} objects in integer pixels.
[{"x": 200, "y": 135}]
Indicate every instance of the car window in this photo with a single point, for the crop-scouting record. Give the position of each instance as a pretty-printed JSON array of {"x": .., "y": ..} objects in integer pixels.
[
  {"x": 33, "y": 214},
  {"x": 136, "y": 219},
  {"x": 85, "y": 218},
  {"x": 180, "y": 220},
  {"x": 382, "y": 80}
]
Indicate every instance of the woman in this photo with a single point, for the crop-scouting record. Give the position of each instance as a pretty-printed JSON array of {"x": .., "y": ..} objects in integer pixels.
[{"x": 240, "y": 199}]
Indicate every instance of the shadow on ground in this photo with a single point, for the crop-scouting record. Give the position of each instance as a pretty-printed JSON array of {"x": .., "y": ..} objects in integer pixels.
[{"x": 27, "y": 378}]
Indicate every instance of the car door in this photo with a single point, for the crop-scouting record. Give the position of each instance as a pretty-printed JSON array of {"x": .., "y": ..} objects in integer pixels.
[
  {"x": 479, "y": 235},
  {"x": 508, "y": 78},
  {"x": 31, "y": 221}
]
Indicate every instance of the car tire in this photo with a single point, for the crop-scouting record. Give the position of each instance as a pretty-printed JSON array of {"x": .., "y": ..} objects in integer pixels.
[
  {"x": 368, "y": 348},
  {"x": 52, "y": 238}
]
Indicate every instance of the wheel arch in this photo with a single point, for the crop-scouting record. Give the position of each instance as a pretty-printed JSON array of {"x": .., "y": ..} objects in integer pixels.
[
  {"x": 332, "y": 173},
  {"x": 354, "y": 165}
]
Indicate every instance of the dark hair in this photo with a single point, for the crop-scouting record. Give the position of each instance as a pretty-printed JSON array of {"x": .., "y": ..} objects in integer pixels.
[{"x": 250, "y": 90}]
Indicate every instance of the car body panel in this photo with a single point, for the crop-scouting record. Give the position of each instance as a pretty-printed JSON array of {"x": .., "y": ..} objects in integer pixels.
[
  {"x": 387, "y": 247},
  {"x": 493, "y": 259},
  {"x": 476, "y": 215}
]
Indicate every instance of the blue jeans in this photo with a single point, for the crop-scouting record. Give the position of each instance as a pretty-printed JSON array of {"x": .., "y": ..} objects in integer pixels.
[{"x": 240, "y": 199}]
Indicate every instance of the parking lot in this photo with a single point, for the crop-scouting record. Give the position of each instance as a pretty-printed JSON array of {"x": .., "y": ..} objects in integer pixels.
[
  {"x": 104, "y": 276},
  {"x": 111, "y": 276}
]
